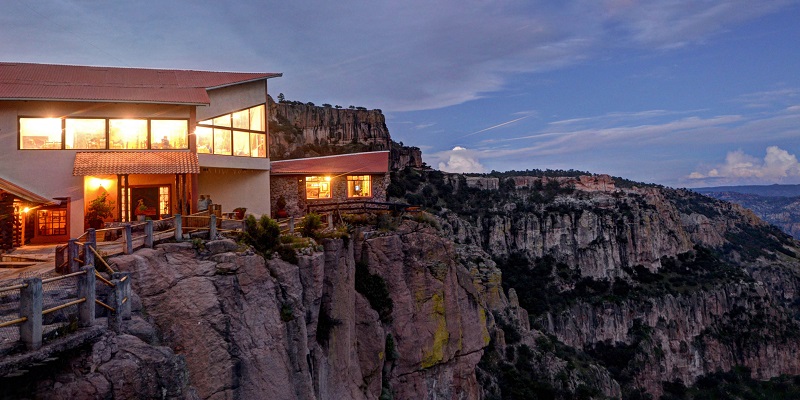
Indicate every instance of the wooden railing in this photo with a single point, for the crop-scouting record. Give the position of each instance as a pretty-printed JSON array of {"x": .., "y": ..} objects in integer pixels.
[{"x": 31, "y": 300}]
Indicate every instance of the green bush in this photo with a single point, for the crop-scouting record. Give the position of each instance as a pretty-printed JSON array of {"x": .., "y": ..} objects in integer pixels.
[
  {"x": 263, "y": 234},
  {"x": 312, "y": 222}
]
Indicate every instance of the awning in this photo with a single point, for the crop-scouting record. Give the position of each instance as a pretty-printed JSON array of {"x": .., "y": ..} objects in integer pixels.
[
  {"x": 24, "y": 194},
  {"x": 135, "y": 162}
]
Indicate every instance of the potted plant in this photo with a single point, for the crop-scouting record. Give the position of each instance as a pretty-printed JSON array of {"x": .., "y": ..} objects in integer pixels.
[
  {"x": 99, "y": 209},
  {"x": 141, "y": 210},
  {"x": 280, "y": 208},
  {"x": 239, "y": 211}
]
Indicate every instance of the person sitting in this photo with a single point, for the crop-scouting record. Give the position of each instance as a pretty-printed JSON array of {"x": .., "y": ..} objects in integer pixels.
[
  {"x": 202, "y": 204},
  {"x": 165, "y": 143}
]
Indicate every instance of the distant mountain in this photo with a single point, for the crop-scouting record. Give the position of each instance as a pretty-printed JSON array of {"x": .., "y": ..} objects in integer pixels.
[
  {"x": 777, "y": 204},
  {"x": 760, "y": 190}
]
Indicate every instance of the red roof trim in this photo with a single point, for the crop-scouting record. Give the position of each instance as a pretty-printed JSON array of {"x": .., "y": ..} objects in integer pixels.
[{"x": 370, "y": 163}]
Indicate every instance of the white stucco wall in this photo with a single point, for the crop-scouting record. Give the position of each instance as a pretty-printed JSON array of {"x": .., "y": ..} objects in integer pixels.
[
  {"x": 48, "y": 173},
  {"x": 234, "y": 188}
]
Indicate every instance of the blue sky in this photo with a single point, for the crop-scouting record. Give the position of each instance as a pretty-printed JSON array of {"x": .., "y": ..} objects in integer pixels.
[{"x": 681, "y": 92}]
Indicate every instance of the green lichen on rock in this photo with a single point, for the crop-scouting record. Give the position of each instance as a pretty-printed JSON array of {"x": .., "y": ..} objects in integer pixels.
[{"x": 441, "y": 336}]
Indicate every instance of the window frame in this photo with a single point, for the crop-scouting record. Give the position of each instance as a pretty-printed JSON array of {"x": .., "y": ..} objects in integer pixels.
[
  {"x": 364, "y": 179},
  {"x": 107, "y": 132},
  {"x": 230, "y": 127},
  {"x": 321, "y": 180}
]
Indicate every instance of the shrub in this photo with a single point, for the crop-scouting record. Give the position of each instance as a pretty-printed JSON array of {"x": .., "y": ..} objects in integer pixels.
[
  {"x": 311, "y": 224},
  {"x": 263, "y": 234}
]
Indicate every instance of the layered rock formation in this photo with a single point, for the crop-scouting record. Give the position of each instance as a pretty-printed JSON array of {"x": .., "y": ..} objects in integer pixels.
[{"x": 300, "y": 130}]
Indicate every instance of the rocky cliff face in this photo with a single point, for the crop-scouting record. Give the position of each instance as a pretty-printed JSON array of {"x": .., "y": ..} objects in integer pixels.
[
  {"x": 650, "y": 284},
  {"x": 300, "y": 130}
]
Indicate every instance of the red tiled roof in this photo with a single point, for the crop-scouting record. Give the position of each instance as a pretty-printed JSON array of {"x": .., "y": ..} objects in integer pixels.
[
  {"x": 22, "y": 193},
  {"x": 376, "y": 162},
  {"x": 23, "y": 81},
  {"x": 135, "y": 162}
]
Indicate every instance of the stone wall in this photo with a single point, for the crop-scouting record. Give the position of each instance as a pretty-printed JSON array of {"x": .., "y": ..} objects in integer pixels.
[{"x": 292, "y": 188}]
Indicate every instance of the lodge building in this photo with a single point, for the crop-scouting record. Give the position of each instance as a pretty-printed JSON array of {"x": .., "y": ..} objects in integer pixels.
[{"x": 148, "y": 140}]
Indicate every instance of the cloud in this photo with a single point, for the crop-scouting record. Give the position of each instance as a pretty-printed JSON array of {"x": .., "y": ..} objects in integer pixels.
[
  {"x": 398, "y": 56},
  {"x": 459, "y": 160},
  {"x": 777, "y": 165}
]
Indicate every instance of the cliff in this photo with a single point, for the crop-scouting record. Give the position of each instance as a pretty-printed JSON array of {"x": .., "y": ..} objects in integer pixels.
[
  {"x": 300, "y": 130},
  {"x": 653, "y": 284}
]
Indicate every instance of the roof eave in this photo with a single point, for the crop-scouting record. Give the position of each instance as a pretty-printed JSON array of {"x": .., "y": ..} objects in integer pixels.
[
  {"x": 180, "y": 103},
  {"x": 262, "y": 78}
]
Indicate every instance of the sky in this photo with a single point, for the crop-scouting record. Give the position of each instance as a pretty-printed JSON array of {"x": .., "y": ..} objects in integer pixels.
[{"x": 685, "y": 93}]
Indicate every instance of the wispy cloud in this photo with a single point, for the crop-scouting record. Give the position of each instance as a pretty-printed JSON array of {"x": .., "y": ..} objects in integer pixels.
[{"x": 496, "y": 126}]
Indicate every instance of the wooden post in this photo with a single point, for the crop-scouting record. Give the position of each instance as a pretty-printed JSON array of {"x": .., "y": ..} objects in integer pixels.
[
  {"x": 72, "y": 255},
  {"x": 88, "y": 254},
  {"x": 148, "y": 234},
  {"x": 115, "y": 301},
  {"x": 128, "y": 240},
  {"x": 212, "y": 227},
  {"x": 178, "y": 228},
  {"x": 86, "y": 289},
  {"x": 30, "y": 307},
  {"x": 291, "y": 225},
  {"x": 124, "y": 284}
]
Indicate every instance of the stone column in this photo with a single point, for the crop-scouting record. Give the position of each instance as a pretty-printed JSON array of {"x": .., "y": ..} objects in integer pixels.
[{"x": 30, "y": 307}]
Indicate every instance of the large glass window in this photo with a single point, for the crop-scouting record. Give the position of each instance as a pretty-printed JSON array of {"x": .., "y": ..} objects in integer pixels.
[
  {"x": 359, "y": 186},
  {"x": 243, "y": 133},
  {"x": 85, "y": 133},
  {"x": 127, "y": 133},
  {"x": 222, "y": 141},
  {"x": 40, "y": 133},
  {"x": 205, "y": 139},
  {"x": 169, "y": 134},
  {"x": 318, "y": 187},
  {"x": 52, "y": 222},
  {"x": 103, "y": 133}
]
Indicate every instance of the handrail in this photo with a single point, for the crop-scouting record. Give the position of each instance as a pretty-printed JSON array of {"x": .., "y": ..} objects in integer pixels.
[
  {"x": 65, "y": 305},
  {"x": 104, "y": 305},
  {"x": 15, "y": 287},
  {"x": 99, "y": 257},
  {"x": 13, "y": 322},
  {"x": 104, "y": 280},
  {"x": 58, "y": 278}
]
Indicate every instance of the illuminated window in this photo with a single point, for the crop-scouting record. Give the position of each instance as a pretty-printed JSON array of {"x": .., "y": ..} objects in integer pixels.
[
  {"x": 52, "y": 222},
  {"x": 222, "y": 141},
  {"x": 169, "y": 134},
  {"x": 163, "y": 200},
  {"x": 241, "y": 143},
  {"x": 127, "y": 133},
  {"x": 205, "y": 139},
  {"x": 241, "y": 133},
  {"x": 85, "y": 133},
  {"x": 258, "y": 145},
  {"x": 40, "y": 133},
  {"x": 318, "y": 187},
  {"x": 359, "y": 186}
]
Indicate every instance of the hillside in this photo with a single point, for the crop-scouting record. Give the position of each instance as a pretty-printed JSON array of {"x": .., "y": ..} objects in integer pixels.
[{"x": 773, "y": 205}]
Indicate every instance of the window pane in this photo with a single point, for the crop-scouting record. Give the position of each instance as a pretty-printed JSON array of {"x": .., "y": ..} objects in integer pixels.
[
  {"x": 318, "y": 187},
  {"x": 204, "y": 139},
  {"x": 127, "y": 133},
  {"x": 359, "y": 186},
  {"x": 224, "y": 120},
  {"x": 169, "y": 134},
  {"x": 85, "y": 133},
  {"x": 241, "y": 143},
  {"x": 52, "y": 222},
  {"x": 40, "y": 133},
  {"x": 222, "y": 141},
  {"x": 257, "y": 118},
  {"x": 241, "y": 119},
  {"x": 258, "y": 145}
]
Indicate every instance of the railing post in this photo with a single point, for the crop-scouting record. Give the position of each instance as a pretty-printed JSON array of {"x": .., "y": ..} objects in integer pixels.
[
  {"x": 128, "y": 240},
  {"x": 291, "y": 225},
  {"x": 72, "y": 254},
  {"x": 30, "y": 307},
  {"x": 88, "y": 255},
  {"x": 86, "y": 290},
  {"x": 124, "y": 285},
  {"x": 91, "y": 237},
  {"x": 115, "y": 301},
  {"x": 148, "y": 234},
  {"x": 330, "y": 220},
  {"x": 212, "y": 227},
  {"x": 178, "y": 228}
]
